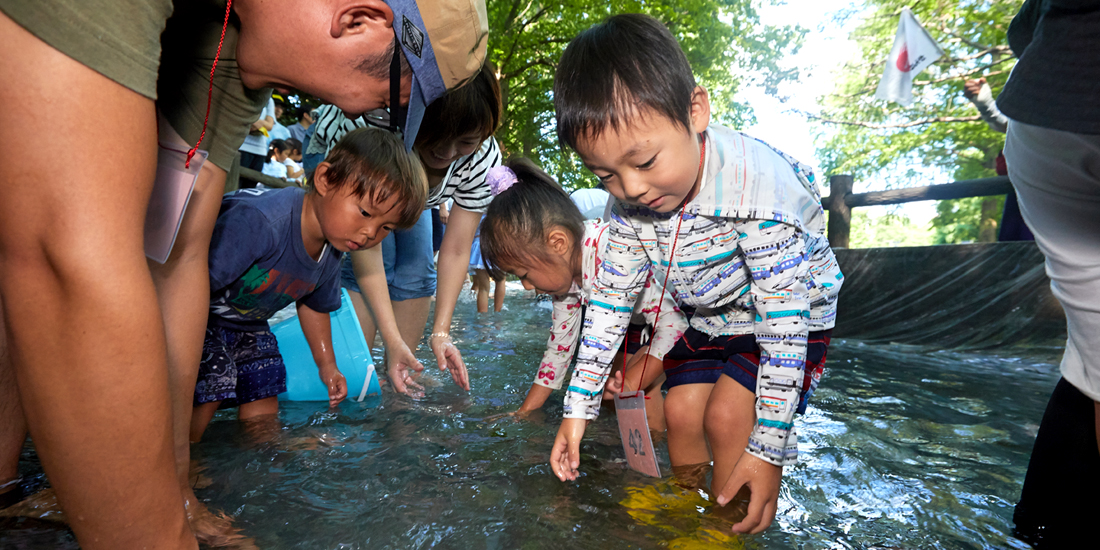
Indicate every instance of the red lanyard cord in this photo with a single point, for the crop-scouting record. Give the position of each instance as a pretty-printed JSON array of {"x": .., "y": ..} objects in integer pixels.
[
  {"x": 210, "y": 92},
  {"x": 664, "y": 287}
]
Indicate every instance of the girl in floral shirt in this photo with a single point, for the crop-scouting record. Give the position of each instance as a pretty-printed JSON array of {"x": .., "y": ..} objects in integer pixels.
[{"x": 534, "y": 231}]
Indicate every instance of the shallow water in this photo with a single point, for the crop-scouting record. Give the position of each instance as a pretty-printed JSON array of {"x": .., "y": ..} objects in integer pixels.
[{"x": 899, "y": 449}]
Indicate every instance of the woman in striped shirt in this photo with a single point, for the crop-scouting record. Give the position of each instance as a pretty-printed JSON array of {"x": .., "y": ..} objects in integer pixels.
[{"x": 398, "y": 278}]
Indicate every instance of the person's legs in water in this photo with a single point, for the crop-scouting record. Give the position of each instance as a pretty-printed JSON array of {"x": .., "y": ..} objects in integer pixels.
[
  {"x": 85, "y": 333},
  {"x": 498, "y": 294},
  {"x": 481, "y": 287},
  {"x": 410, "y": 273},
  {"x": 183, "y": 290},
  {"x": 1055, "y": 175},
  {"x": 684, "y": 408},
  {"x": 1065, "y": 449},
  {"x": 729, "y": 419},
  {"x": 13, "y": 427}
]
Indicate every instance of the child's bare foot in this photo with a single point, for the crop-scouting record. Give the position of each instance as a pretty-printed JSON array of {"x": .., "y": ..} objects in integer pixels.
[
  {"x": 41, "y": 505},
  {"x": 197, "y": 479},
  {"x": 214, "y": 529}
]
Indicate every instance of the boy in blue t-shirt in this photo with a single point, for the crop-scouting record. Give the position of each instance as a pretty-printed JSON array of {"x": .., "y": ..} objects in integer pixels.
[{"x": 271, "y": 248}]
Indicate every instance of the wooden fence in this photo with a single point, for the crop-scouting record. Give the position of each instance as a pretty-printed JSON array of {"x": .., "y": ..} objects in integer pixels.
[
  {"x": 840, "y": 211},
  {"x": 841, "y": 199}
]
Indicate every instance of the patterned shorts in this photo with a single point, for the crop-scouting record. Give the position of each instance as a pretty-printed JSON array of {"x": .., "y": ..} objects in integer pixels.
[
  {"x": 699, "y": 359},
  {"x": 239, "y": 367}
]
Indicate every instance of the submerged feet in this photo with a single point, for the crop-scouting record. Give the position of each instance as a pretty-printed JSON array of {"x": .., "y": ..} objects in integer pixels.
[
  {"x": 41, "y": 505},
  {"x": 10, "y": 492},
  {"x": 211, "y": 529},
  {"x": 214, "y": 529}
]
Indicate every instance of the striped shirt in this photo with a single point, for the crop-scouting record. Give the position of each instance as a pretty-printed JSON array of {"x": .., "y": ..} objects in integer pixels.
[
  {"x": 750, "y": 256},
  {"x": 465, "y": 178},
  {"x": 565, "y": 330}
]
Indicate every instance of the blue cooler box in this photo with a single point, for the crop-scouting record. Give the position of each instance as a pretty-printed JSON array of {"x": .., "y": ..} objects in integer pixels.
[{"x": 352, "y": 357}]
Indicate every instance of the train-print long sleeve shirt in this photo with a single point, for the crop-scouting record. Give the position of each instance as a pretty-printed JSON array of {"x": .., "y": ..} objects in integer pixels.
[
  {"x": 566, "y": 328},
  {"x": 751, "y": 258}
]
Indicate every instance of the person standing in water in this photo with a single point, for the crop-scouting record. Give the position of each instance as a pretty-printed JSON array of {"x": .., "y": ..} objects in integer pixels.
[
  {"x": 730, "y": 226},
  {"x": 96, "y": 333}
]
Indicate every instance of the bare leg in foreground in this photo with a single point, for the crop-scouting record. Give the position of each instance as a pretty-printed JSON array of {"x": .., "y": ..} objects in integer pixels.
[
  {"x": 183, "y": 291},
  {"x": 84, "y": 330},
  {"x": 13, "y": 427}
]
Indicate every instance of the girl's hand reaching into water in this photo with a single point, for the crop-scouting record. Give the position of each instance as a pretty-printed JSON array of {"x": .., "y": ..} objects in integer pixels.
[
  {"x": 565, "y": 457},
  {"x": 400, "y": 366},
  {"x": 449, "y": 358},
  {"x": 763, "y": 479}
]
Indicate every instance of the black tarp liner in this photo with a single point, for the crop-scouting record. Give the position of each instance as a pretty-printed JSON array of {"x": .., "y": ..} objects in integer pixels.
[{"x": 970, "y": 296}]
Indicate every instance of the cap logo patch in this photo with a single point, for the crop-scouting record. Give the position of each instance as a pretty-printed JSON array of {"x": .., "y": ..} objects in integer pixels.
[{"x": 411, "y": 37}]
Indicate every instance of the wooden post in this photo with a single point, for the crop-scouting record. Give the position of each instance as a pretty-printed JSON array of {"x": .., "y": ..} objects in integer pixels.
[{"x": 840, "y": 214}]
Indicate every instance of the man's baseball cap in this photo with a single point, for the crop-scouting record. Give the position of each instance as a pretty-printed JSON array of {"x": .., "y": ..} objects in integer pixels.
[{"x": 445, "y": 43}]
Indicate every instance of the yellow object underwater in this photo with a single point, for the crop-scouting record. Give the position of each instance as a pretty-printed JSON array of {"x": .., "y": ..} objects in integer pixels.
[{"x": 694, "y": 522}]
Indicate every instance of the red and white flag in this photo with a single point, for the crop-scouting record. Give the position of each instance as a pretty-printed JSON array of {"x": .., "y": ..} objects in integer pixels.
[{"x": 914, "y": 50}]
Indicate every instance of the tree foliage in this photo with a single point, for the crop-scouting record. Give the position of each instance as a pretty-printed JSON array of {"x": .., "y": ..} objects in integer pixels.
[
  {"x": 874, "y": 139},
  {"x": 724, "y": 40},
  {"x": 887, "y": 231}
]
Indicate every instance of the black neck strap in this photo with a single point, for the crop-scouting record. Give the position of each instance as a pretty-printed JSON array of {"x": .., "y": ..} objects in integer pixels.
[{"x": 397, "y": 113}]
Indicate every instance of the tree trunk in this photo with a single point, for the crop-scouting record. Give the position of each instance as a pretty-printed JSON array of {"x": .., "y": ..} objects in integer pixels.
[{"x": 987, "y": 231}]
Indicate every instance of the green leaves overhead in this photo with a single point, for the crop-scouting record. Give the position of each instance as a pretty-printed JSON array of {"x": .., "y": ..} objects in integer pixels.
[
  {"x": 885, "y": 142},
  {"x": 871, "y": 138},
  {"x": 724, "y": 40}
]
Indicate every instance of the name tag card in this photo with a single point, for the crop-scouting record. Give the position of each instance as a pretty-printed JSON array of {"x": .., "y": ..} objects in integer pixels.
[
  {"x": 634, "y": 430},
  {"x": 171, "y": 192}
]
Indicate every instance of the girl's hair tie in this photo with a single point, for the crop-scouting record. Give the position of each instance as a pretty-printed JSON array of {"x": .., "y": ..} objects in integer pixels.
[{"x": 500, "y": 178}]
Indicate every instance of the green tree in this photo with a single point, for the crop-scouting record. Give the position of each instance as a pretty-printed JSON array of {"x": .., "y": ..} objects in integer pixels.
[
  {"x": 724, "y": 40},
  {"x": 886, "y": 231},
  {"x": 873, "y": 139}
]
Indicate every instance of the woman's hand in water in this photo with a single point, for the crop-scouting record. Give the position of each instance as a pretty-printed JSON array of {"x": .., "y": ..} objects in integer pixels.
[
  {"x": 448, "y": 357},
  {"x": 565, "y": 458},
  {"x": 763, "y": 479},
  {"x": 336, "y": 384},
  {"x": 400, "y": 366}
]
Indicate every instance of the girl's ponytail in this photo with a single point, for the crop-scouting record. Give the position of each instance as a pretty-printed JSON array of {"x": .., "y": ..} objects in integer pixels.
[
  {"x": 275, "y": 146},
  {"x": 527, "y": 203}
]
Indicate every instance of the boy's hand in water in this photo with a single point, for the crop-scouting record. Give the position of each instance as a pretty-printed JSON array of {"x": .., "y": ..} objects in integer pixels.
[
  {"x": 448, "y": 357},
  {"x": 336, "y": 384},
  {"x": 400, "y": 366},
  {"x": 763, "y": 479},
  {"x": 565, "y": 458}
]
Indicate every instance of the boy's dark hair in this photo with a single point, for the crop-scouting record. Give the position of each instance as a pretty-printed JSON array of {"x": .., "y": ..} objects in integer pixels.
[
  {"x": 303, "y": 110},
  {"x": 518, "y": 219},
  {"x": 615, "y": 69},
  {"x": 375, "y": 162},
  {"x": 475, "y": 106}
]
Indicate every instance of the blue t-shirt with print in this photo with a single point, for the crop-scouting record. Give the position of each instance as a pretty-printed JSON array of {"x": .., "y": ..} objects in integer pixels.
[{"x": 259, "y": 263}]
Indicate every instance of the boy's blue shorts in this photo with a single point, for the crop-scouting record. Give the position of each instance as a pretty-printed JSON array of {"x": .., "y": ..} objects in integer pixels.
[
  {"x": 699, "y": 359},
  {"x": 409, "y": 261},
  {"x": 239, "y": 367}
]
